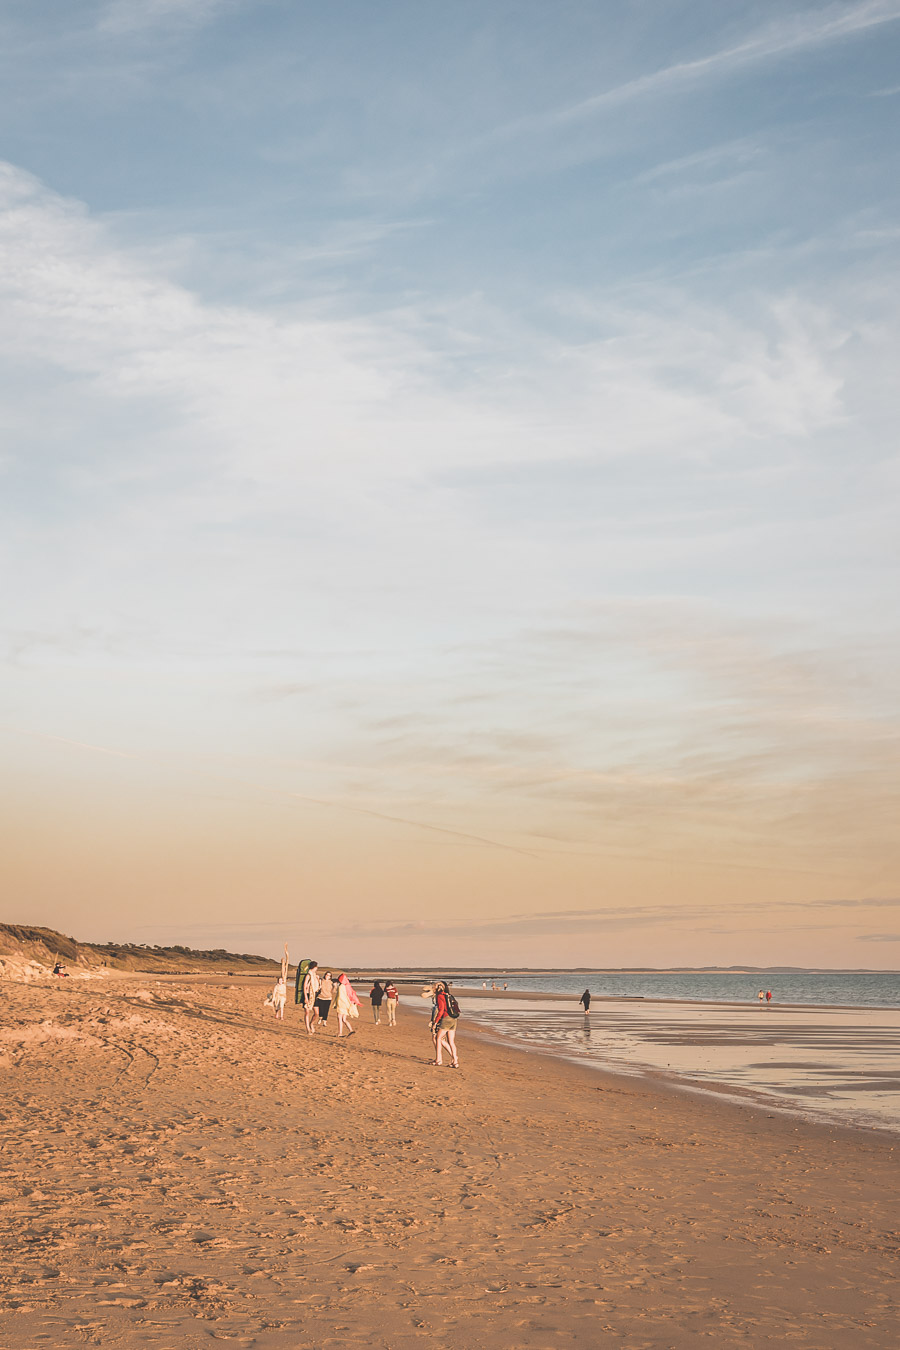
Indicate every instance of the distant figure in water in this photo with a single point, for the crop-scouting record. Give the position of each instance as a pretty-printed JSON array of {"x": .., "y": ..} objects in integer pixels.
[
  {"x": 585, "y": 1001},
  {"x": 761, "y": 995},
  {"x": 768, "y": 995}
]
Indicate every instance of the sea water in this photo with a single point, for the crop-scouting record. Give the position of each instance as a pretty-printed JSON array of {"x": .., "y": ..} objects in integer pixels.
[
  {"x": 844, "y": 988},
  {"x": 827, "y": 1046}
]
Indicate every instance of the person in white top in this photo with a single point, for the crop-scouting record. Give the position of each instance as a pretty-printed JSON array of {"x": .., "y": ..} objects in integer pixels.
[{"x": 279, "y": 998}]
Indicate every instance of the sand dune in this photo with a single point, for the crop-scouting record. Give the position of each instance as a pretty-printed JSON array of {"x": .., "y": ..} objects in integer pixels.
[{"x": 179, "y": 1169}]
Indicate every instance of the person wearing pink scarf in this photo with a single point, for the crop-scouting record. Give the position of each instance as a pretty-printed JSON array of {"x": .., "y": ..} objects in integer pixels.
[{"x": 346, "y": 1004}]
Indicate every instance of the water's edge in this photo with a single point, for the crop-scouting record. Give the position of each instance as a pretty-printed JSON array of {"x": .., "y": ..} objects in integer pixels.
[{"x": 833, "y": 1065}]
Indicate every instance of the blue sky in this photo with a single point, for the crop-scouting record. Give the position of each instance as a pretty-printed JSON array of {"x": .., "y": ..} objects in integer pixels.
[{"x": 449, "y": 466}]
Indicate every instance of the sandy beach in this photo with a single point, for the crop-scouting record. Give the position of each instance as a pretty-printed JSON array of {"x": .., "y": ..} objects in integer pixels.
[{"x": 180, "y": 1169}]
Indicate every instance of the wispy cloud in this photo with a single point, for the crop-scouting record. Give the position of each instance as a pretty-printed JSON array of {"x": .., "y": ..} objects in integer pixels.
[
  {"x": 733, "y": 155},
  {"x": 312, "y": 392},
  {"x": 785, "y": 37},
  {"x": 412, "y": 824},
  {"x": 891, "y": 902},
  {"x": 478, "y": 936},
  {"x": 75, "y": 745},
  {"x": 605, "y": 919}
]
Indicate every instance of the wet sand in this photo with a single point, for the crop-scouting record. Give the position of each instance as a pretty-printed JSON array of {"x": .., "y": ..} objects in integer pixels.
[
  {"x": 838, "y": 1064},
  {"x": 598, "y": 1000},
  {"x": 179, "y": 1169}
]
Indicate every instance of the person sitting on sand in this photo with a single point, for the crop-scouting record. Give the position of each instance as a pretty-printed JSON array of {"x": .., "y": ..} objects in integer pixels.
[
  {"x": 60, "y": 970},
  {"x": 393, "y": 998},
  {"x": 376, "y": 994},
  {"x": 346, "y": 1004},
  {"x": 309, "y": 993},
  {"x": 323, "y": 999},
  {"x": 585, "y": 1001},
  {"x": 444, "y": 1027}
]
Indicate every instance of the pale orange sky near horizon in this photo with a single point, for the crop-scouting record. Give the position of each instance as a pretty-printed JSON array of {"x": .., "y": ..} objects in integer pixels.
[{"x": 157, "y": 847}]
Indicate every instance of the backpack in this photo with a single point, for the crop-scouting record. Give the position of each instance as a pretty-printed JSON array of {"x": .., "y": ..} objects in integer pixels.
[
  {"x": 302, "y": 969},
  {"x": 452, "y": 1005}
]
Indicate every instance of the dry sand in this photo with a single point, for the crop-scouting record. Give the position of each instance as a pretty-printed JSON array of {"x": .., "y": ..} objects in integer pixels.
[{"x": 180, "y": 1169}]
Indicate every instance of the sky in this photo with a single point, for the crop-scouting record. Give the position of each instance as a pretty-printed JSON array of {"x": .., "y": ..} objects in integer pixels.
[{"x": 449, "y": 478}]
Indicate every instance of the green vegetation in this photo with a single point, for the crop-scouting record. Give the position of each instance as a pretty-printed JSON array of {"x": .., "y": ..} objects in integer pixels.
[{"x": 45, "y": 945}]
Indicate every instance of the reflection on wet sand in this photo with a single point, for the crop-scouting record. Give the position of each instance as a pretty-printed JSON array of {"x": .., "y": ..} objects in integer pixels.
[{"x": 835, "y": 1063}]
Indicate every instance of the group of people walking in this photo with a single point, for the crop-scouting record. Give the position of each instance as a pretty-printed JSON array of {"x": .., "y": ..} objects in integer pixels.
[
  {"x": 321, "y": 994},
  {"x": 384, "y": 992}
]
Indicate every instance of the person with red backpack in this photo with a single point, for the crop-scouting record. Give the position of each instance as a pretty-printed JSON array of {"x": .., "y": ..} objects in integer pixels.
[{"x": 445, "y": 1018}]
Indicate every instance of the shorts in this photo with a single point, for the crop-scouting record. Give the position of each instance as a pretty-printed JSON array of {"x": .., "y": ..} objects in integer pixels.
[
  {"x": 447, "y": 1024},
  {"x": 323, "y": 1008}
]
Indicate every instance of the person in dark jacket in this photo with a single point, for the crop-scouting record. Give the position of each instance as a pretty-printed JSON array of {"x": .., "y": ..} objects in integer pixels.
[
  {"x": 585, "y": 1000},
  {"x": 376, "y": 994}
]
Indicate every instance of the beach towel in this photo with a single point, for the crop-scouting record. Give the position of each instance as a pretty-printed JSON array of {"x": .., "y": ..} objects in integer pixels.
[
  {"x": 345, "y": 999},
  {"x": 351, "y": 992}
]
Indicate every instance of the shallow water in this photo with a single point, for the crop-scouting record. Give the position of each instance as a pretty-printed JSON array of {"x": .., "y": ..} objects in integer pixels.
[
  {"x": 868, "y": 989},
  {"x": 840, "y": 1065}
]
